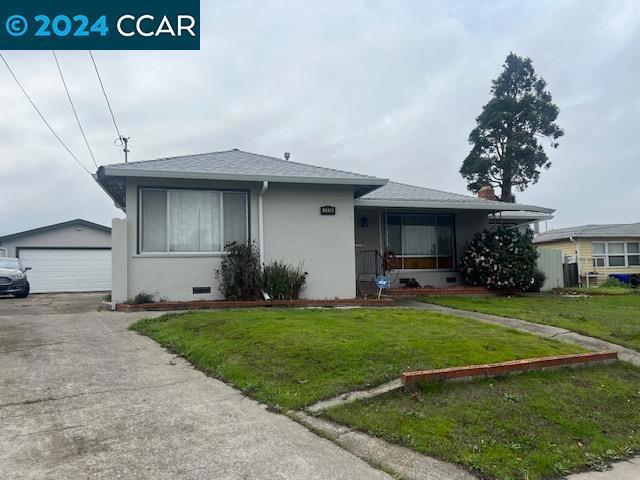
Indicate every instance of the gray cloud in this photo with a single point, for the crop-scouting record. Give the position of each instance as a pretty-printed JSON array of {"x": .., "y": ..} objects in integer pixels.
[{"x": 386, "y": 88}]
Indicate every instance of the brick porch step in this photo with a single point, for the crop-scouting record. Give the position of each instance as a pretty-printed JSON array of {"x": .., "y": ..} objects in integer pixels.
[{"x": 433, "y": 291}]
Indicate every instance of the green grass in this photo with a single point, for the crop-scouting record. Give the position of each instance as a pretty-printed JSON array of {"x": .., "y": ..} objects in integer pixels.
[
  {"x": 531, "y": 426},
  {"x": 601, "y": 290},
  {"x": 289, "y": 358},
  {"x": 612, "y": 318}
]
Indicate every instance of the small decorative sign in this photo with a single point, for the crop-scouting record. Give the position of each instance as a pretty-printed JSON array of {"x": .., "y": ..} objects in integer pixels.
[
  {"x": 382, "y": 282},
  {"x": 327, "y": 210}
]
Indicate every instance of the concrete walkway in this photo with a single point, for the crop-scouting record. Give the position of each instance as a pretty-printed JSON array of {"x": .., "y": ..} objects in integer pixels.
[
  {"x": 548, "y": 331},
  {"x": 83, "y": 397},
  {"x": 625, "y": 470}
]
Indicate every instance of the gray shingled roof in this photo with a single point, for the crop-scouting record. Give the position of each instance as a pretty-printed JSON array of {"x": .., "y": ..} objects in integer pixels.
[
  {"x": 395, "y": 194},
  {"x": 613, "y": 230},
  {"x": 238, "y": 165},
  {"x": 244, "y": 166},
  {"x": 55, "y": 226}
]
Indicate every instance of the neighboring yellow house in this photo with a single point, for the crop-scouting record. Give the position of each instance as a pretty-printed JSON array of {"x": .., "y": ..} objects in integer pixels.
[{"x": 599, "y": 250}]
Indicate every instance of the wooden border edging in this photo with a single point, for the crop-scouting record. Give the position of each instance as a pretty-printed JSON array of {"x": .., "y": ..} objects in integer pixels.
[
  {"x": 213, "y": 304},
  {"x": 503, "y": 368}
]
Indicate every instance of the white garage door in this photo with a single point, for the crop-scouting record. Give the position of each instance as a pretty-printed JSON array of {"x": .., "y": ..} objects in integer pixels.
[{"x": 73, "y": 270}]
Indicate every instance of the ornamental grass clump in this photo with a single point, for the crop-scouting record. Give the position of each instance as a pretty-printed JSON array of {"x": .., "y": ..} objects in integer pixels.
[
  {"x": 282, "y": 281},
  {"x": 501, "y": 259}
]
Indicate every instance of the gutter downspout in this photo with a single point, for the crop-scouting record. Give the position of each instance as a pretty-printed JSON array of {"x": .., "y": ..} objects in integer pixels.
[
  {"x": 265, "y": 187},
  {"x": 577, "y": 257}
]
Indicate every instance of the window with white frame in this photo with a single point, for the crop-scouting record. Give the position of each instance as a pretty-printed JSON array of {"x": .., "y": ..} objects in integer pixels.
[
  {"x": 616, "y": 254},
  {"x": 191, "y": 221}
]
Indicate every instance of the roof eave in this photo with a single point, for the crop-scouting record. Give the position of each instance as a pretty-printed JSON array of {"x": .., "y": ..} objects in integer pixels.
[
  {"x": 99, "y": 178},
  {"x": 131, "y": 172},
  {"x": 586, "y": 236},
  {"x": 361, "y": 202},
  {"x": 55, "y": 226}
]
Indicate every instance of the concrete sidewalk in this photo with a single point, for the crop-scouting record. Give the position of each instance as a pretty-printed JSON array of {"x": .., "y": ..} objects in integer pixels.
[{"x": 83, "y": 397}]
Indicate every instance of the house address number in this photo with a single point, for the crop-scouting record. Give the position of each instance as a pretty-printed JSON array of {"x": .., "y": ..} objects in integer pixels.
[{"x": 327, "y": 210}]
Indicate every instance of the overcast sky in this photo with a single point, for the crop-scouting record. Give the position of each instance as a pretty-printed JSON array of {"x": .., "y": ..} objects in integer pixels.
[{"x": 383, "y": 88}]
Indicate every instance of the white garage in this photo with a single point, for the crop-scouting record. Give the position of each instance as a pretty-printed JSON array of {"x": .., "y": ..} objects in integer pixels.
[
  {"x": 67, "y": 270},
  {"x": 72, "y": 256}
]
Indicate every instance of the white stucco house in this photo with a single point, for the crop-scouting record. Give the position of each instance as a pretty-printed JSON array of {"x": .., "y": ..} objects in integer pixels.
[{"x": 182, "y": 211}]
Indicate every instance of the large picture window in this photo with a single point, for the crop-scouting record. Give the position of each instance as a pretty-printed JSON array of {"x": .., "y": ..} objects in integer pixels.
[
  {"x": 616, "y": 254},
  {"x": 191, "y": 221},
  {"x": 420, "y": 241}
]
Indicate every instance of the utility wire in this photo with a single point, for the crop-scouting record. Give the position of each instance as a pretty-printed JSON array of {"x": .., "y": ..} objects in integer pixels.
[
  {"x": 42, "y": 116},
  {"x": 104, "y": 92},
  {"x": 75, "y": 113}
]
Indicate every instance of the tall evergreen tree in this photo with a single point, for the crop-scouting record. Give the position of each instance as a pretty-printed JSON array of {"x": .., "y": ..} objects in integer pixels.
[{"x": 506, "y": 152}]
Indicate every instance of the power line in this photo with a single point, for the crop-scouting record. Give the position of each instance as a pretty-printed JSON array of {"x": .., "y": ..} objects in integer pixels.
[
  {"x": 42, "y": 116},
  {"x": 104, "y": 92},
  {"x": 75, "y": 113}
]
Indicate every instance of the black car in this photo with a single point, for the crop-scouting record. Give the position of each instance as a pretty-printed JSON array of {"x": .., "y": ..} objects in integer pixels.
[{"x": 13, "y": 279}]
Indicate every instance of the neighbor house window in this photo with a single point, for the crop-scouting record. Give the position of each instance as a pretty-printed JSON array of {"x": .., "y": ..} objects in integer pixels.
[
  {"x": 616, "y": 254},
  {"x": 191, "y": 221},
  {"x": 420, "y": 241}
]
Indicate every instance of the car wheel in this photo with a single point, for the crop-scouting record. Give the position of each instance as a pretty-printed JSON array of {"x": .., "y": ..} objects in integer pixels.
[{"x": 24, "y": 293}]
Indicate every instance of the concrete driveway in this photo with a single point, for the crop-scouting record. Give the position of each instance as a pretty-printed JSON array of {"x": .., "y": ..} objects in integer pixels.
[
  {"x": 83, "y": 397},
  {"x": 48, "y": 303}
]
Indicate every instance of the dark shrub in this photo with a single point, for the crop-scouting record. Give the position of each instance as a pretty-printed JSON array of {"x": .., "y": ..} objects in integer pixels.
[
  {"x": 538, "y": 281},
  {"x": 141, "y": 298},
  {"x": 239, "y": 276},
  {"x": 283, "y": 282},
  {"x": 501, "y": 259}
]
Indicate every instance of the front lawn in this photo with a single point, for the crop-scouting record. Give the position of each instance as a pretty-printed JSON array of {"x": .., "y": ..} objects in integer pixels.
[
  {"x": 612, "y": 318},
  {"x": 293, "y": 357},
  {"x": 526, "y": 427}
]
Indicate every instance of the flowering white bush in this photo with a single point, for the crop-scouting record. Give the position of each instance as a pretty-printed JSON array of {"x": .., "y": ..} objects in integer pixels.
[{"x": 501, "y": 259}]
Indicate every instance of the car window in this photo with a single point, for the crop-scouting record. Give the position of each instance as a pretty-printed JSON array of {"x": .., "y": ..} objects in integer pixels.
[{"x": 10, "y": 263}]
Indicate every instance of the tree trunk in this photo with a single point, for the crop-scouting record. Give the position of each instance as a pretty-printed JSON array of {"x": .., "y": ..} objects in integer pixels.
[{"x": 505, "y": 191}]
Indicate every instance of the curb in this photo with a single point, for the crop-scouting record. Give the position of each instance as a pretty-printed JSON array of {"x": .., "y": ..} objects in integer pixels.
[{"x": 408, "y": 464}]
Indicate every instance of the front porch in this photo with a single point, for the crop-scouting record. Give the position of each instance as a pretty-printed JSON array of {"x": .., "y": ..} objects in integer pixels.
[
  {"x": 419, "y": 248},
  {"x": 420, "y": 234}
]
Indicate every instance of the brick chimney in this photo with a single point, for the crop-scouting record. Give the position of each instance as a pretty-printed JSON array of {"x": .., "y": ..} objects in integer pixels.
[{"x": 487, "y": 193}]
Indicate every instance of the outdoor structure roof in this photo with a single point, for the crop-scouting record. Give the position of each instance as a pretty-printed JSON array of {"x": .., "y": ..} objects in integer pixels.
[
  {"x": 70, "y": 223},
  {"x": 232, "y": 165},
  {"x": 526, "y": 215},
  {"x": 395, "y": 194},
  {"x": 620, "y": 230},
  {"x": 519, "y": 217},
  {"x": 238, "y": 165}
]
